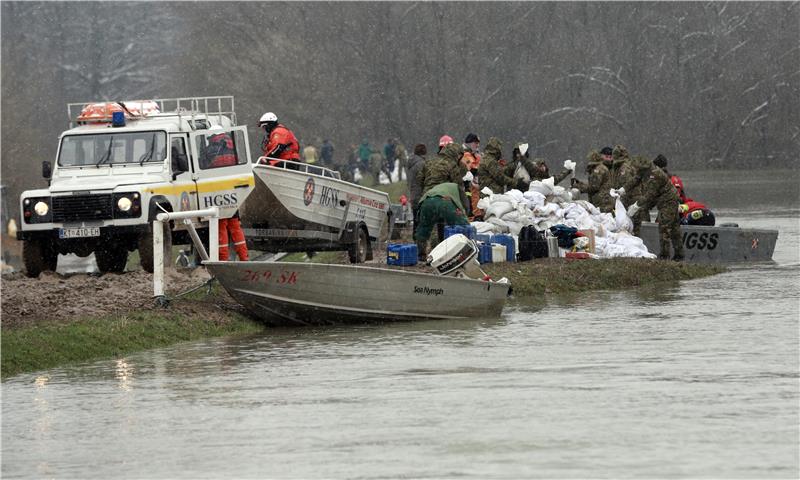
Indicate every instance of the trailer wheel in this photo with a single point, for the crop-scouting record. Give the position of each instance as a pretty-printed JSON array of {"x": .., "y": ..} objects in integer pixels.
[
  {"x": 358, "y": 250},
  {"x": 146, "y": 248},
  {"x": 111, "y": 258},
  {"x": 38, "y": 256}
]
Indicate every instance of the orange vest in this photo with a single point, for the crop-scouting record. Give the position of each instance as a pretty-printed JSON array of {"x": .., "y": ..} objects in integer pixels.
[{"x": 281, "y": 135}]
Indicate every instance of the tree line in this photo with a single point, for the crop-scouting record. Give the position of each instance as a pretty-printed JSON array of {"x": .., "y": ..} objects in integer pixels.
[{"x": 707, "y": 84}]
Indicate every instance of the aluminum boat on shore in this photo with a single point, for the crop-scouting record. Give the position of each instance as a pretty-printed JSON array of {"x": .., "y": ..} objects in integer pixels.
[
  {"x": 718, "y": 244},
  {"x": 289, "y": 293}
]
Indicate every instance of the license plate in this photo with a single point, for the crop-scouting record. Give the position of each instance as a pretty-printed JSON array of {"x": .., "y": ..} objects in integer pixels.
[{"x": 80, "y": 232}]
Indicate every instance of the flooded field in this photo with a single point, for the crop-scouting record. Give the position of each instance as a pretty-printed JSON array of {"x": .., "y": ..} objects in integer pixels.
[{"x": 697, "y": 379}]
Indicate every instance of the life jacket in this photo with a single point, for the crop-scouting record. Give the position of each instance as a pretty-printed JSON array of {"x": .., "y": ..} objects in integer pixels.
[
  {"x": 281, "y": 135},
  {"x": 690, "y": 206}
]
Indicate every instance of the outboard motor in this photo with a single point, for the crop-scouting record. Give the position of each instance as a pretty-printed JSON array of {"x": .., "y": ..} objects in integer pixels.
[{"x": 457, "y": 256}]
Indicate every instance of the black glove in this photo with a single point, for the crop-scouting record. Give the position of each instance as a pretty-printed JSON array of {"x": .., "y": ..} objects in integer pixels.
[
  {"x": 573, "y": 182},
  {"x": 522, "y": 185}
]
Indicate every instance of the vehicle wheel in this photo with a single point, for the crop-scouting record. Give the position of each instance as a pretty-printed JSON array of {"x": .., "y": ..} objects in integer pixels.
[
  {"x": 146, "y": 248},
  {"x": 358, "y": 250},
  {"x": 111, "y": 258},
  {"x": 38, "y": 256}
]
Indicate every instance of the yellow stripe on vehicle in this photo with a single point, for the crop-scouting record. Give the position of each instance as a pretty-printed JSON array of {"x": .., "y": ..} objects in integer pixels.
[{"x": 204, "y": 186}]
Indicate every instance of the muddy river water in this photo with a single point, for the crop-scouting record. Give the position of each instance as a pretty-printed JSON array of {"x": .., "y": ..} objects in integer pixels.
[{"x": 697, "y": 379}]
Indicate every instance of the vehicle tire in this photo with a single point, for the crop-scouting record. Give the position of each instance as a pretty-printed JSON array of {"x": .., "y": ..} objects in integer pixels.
[
  {"x": 358, "y": 250},
  {"x": 111, "y": 258},
  {"x": 38, "y": 256},
  {"x": 146, "y": 248}
]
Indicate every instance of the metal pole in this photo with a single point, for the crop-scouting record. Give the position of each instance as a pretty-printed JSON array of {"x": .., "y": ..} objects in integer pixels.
[
  {"x": 198, "y": 244},
  {"x": 158, "y": 260},
  {"x": 213, "y": 238},
  {"x": 158, "y": 243}
]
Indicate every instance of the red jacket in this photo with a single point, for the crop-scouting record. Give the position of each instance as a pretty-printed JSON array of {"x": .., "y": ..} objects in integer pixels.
[
  {"x": 221, "y": 146},
  {"x": 691, "y": 206},
  {"x": 281, "y": 135}
]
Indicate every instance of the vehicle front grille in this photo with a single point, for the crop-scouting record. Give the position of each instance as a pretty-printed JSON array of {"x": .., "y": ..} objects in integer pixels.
[{"x": 82, "y": 207}]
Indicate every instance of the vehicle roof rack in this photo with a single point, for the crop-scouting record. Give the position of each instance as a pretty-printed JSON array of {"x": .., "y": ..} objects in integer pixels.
[{"x": 188, "y": 106}]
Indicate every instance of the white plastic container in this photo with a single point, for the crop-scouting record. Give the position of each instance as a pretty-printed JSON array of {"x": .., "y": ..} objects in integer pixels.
[
  {"x": 498, "y": 253},
  {"x": 552, "y": 247}
]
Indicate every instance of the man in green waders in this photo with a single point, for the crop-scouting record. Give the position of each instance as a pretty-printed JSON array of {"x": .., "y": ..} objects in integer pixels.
[{"x": 439, "y": 205}]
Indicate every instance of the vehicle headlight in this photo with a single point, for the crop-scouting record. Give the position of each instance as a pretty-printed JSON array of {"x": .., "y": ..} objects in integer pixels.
[
  {"x": 124, "y": 204},
  {"x": 41, "y": 208}
]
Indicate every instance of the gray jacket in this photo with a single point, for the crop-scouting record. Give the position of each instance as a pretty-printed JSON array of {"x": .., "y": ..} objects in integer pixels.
[{"x": 415, "y": 164}]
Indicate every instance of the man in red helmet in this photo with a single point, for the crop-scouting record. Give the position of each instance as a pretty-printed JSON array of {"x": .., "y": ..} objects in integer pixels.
[
  {"x": 692, "y": 212},
  {"x": 279, "y": 142}
]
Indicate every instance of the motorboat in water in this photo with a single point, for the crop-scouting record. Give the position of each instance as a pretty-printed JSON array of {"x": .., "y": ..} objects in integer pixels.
[
  {"x": 726, "y": 243},
  {"x": 295, "y": 293}
]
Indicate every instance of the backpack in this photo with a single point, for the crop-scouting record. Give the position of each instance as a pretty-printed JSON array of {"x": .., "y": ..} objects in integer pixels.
[{"x": 532, "y": 244}]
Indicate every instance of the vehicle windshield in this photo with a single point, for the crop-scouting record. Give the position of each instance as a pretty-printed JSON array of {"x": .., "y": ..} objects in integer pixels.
[{"x": 112, "y": 148}]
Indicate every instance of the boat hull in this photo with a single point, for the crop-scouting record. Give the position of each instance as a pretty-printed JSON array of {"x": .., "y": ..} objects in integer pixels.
[
  {"x": 703, "y": 244},
  {"x": 289, "y": 293}
]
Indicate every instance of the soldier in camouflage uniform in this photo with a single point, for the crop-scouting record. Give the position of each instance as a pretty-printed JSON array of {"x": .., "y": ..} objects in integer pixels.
[
  {"x": 599, "y": 183},
  {"x": 441, "y": 205},
  {"x": 623, "y": 173},
  {"x": 492, "y": 170},
  {"x": 541, "y": 172},
  {"x": 657, "y": 190},
  {"x": 444, "y": 168},
  {"x": 447, "y": 167}
]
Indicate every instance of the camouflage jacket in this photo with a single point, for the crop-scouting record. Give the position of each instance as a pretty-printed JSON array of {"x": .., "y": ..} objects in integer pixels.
[
  {"x": 444, "y": 168},
  {"x": 656, "y": 190},
  {"x": 492, "y": 170},
  {"x": 597, "y": 186}
]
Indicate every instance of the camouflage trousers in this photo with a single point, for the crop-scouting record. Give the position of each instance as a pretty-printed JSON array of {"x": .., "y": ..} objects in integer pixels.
[{"x": 669, "y": 230}]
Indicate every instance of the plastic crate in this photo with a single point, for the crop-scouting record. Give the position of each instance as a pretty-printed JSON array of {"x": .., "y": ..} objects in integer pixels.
[{"x": 401, "y": 254}]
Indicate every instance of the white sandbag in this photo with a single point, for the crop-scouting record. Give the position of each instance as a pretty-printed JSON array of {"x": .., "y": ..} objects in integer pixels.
[
  {"x": 484, "y": 203},
  {"x": 500, "y": 225},
  {"x": 541, "y": 187},
  {"x": 621, "y": 218},
  {"x": 588, "y": 206},
  {"x": 483, "y": 227},
  {"x": 502, "y": 197},
  {"x": 516, "y": 195},
  {"x": 498, "y": 209},
  {"x": 533, "y": 198},
  {"x": 487, "y": 191}
]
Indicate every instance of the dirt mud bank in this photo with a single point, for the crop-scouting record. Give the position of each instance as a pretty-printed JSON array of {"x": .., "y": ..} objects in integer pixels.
[{"x": 55, "y": 297}]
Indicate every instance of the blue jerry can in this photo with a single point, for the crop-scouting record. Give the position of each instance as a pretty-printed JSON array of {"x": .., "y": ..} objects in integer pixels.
[{"x": 401, "y": 254}]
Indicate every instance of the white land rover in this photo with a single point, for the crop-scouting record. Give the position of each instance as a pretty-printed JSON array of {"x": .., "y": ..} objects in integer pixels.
[{"x": 119, "y": 165}]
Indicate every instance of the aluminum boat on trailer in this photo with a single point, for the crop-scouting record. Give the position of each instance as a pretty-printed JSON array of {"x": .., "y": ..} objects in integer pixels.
[
  {"x": 718, "y": 244},
  {"x": 296, "y": 207}
]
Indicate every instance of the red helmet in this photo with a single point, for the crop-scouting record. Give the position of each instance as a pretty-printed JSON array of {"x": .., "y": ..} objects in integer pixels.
[
  {"x": 677, "y": 182},
  {"x": 445, "y": 140}
]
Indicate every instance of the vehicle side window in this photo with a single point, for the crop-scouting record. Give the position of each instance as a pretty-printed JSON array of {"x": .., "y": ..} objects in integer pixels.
[
  {"x": 180, "y": 161},
  {"x": 221, "y": 149}
]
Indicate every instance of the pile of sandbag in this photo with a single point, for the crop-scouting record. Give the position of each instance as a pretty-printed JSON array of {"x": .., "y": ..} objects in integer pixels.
[{"x": 545, "y": 205}]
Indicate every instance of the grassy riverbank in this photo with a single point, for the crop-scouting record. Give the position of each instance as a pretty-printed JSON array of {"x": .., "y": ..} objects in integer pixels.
[
  {"x": 39, "y": 339},
  {"x": 557, "y": 275},
  {"x": 44, "y": 345}
]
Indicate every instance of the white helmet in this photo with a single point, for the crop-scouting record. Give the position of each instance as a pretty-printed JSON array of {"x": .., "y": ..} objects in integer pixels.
[{"x": 267, "y": 118}]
